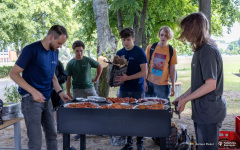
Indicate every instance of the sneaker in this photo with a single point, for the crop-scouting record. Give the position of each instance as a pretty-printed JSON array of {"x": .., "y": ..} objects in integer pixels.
[
  {"x": 72, "y": 148},
  {"x": 77, "y": 137},
  {"x": 127, "y": 147}
]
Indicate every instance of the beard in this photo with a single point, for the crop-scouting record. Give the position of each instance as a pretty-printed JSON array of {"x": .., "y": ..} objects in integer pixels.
[{"x": 51, "y": 47}]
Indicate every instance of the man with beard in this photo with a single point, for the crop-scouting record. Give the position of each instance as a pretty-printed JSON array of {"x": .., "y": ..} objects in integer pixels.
[{"x": 37, "y": 64}]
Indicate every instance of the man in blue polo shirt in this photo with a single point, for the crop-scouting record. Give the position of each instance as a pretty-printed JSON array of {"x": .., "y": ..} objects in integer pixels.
[{"x": 37, "y": 63}]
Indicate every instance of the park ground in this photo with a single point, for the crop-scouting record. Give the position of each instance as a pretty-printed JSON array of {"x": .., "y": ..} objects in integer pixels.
[{"x": 231, "y": 94}]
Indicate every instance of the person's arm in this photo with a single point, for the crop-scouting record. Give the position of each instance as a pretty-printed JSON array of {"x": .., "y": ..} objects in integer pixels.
[
  {"x": 99, "y": 72},
  {"x": 172, "y": 77},
  {"x": 59, "y": 90},
  {"x": 15, "y": 76},
  {"x": 142, "y": 73},
  {"x": 62, "y": 76},
  {"x": 207, "y": 87},
  {"x": 68, "y": 86}
]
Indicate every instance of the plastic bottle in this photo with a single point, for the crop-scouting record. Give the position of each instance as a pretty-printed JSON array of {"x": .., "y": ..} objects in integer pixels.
[
  {"x": 1, "y": 108},
  {"x": 192, "y": 143}
]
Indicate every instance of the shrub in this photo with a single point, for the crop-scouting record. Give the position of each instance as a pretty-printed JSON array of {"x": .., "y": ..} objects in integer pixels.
[
  {"x": 4, "y": 71},
  {"x": 11, "y": 94}
]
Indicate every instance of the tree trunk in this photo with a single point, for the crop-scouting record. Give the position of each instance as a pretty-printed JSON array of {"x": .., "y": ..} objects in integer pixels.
[
  {"x": 119, "y": 18},
  {"x": 138, "y": 40},
  {"x": 144, "y": 40},
  {"x": 136, "y": 27},
  {"x": 106, "y": 42},
  {"x": 205, "y": 7}
]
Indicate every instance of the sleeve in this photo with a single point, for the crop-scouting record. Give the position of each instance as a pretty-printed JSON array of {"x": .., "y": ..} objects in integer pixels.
[
  {"x": 62, "y": 77},
  {"x": 174, "y": 57},
  {"x": 208, "y": 63},
  {"x": 93, "y": 63},
  {"x": 148, "y": 52},
  {"x": 142, "y": 59},
  {"x": 26, "y": 57},
  {"x": 69, "y": 69}
]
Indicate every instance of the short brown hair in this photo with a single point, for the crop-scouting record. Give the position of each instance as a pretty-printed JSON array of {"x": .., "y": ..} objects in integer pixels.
[
  {"x": 78, "y": 44},
  {"x": 195, "y": 29},
  {"x": 127, "y": 32},
  {"x": 168, "y": 30},
  {"x": 57, "y": 30}
]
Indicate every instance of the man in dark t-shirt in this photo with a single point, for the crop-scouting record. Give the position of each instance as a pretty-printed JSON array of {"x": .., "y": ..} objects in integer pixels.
[
  {"x": 205, "y": 93},
  {"x": 37, "y": 63},
  {"x": 133, "y": 85}
]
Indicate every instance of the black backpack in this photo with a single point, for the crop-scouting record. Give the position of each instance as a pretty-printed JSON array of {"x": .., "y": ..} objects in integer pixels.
[{"x": 170, "y": 52}]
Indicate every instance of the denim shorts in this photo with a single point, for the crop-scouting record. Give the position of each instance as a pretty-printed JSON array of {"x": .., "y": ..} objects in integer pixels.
[{"x": 154, "y": 90}]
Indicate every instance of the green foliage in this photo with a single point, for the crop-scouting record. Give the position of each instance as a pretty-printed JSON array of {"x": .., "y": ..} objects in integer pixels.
[
  {"x": 159, "y": 13},
  {"x": 24, "y": 22},
  {"x": 4, "y": 71},
  {"x": 11, "y": 94}
]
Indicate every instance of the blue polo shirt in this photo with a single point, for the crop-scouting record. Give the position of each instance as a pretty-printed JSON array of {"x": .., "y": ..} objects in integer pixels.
[
  {"x": 39, "y": 65},
  {"x": 136, "y": 56}
]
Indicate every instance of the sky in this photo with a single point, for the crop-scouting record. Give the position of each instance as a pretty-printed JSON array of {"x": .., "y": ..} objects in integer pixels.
[{"x": 232, "y": 36}]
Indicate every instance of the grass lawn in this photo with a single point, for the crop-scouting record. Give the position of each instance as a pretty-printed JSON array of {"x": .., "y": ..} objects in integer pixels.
[{"x": 231, "y": 64}]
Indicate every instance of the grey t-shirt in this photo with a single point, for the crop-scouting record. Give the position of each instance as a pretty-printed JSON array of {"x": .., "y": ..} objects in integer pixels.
[{"x": 207, "y": 63}]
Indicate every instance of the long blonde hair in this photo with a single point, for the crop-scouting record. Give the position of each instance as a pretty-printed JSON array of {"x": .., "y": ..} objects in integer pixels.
[{"x": 195, "y": 29}]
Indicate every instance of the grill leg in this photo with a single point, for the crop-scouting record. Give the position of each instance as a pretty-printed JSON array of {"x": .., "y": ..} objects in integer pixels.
[
  {"x": 163, "y": 143},
  {"x": 82, "y": 141},
  {"x": 66, "y": 141}
]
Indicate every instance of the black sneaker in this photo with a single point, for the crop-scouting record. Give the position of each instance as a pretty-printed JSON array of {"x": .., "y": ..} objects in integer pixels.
[
  {"x": 77, "y": 137},
  {"x": 127, "y": 147}
]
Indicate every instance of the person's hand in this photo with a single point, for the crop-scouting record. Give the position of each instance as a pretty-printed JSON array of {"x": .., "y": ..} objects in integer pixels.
[
  {"x": 181, "y": 106},
  {"x": 178, "y": 99},
  {"x": 172, "y": 91},
  {"x": 38, "y": 97},
  {"x": 64, "y": 97},
  {"x": 122, "y": 78},
  {"x": 69, "y": 95},
  {"x": 94, "y": 80},
  {"x": 146, "y": 86}
]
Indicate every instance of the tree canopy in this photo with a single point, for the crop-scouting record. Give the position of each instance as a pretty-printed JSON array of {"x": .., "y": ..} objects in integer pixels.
[
  {"x": 25, "y": 21},
  {"x": 158, "y": 13}
]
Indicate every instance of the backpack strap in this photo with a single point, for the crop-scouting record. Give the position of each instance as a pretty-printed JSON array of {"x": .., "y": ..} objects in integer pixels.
[
  {"x": 171, "y": 54},
  {"x": 151, "y": 52}
]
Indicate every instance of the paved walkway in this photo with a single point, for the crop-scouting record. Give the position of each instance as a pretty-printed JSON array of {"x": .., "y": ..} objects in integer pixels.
[{"x": 3, "y": 83}]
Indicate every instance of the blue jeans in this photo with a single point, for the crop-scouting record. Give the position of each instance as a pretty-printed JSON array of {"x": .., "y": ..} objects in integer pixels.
[
  {"x": 136, "y": 95},
  {"x": 37, "y": 115},
  {"x": 207, "y": 135},
  {"x": 161, "y": 91}
]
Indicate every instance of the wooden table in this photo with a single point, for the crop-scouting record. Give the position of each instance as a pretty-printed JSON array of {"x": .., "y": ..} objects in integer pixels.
[{"x": 17, "y": 131}]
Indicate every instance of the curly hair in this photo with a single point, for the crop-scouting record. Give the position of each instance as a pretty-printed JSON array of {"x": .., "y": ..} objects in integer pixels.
[
  {"x": 78, "y": 44},
  {"x": 195, "y": 29},
  {"x": 127, "y": 32}
]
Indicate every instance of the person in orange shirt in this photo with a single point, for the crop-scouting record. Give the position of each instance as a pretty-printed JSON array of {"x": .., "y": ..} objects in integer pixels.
[
  {"x": 162, "y": 59},
  {"x": 160, "y": 67}
]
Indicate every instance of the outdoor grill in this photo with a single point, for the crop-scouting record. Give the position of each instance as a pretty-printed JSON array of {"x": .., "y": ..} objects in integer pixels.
[{"x": 113, "y": 122}]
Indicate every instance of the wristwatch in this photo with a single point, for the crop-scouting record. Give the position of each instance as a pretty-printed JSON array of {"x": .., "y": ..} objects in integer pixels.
[{"x": 60, "y": 91}]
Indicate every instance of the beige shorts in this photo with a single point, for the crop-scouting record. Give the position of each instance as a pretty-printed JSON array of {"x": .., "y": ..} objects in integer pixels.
[{"x": 84, "y": 92}]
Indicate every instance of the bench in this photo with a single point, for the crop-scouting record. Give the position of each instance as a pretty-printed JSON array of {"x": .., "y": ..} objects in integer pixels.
[{"x": 17, "y": 131}]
